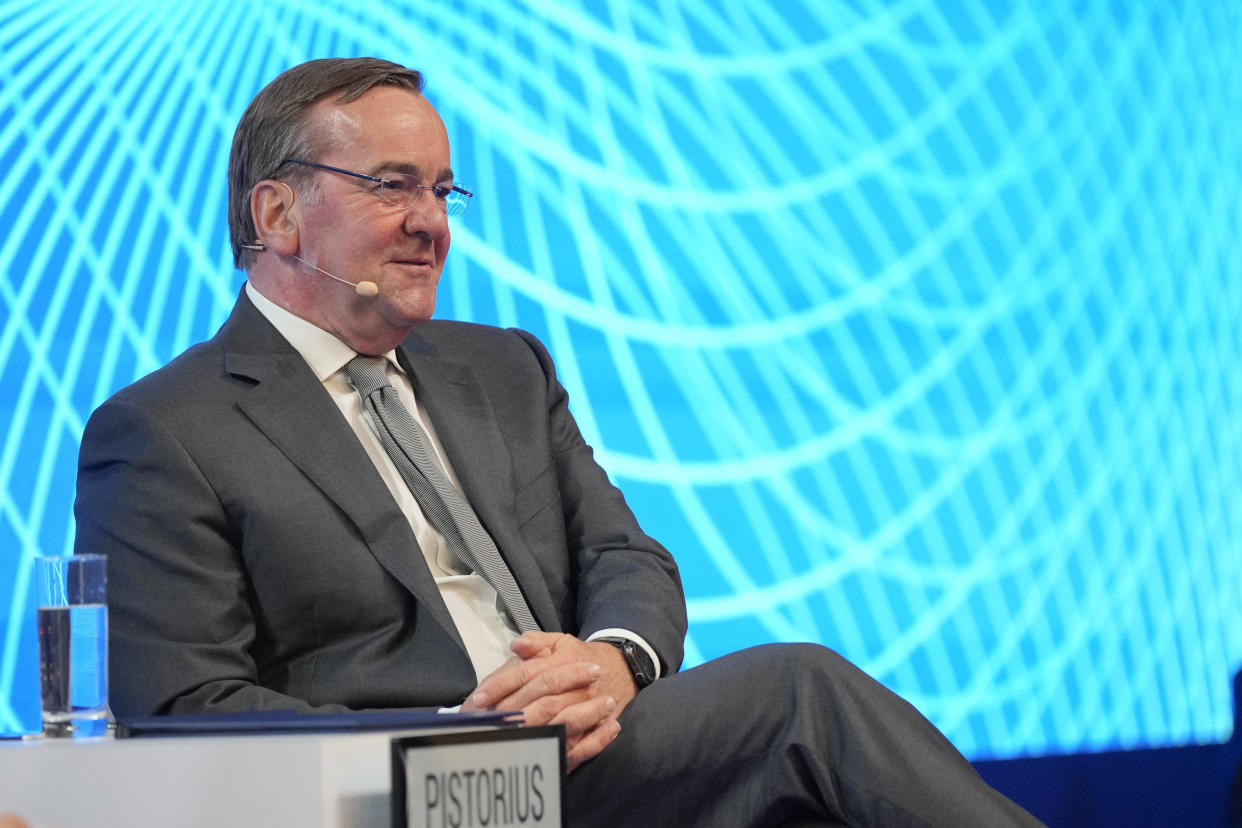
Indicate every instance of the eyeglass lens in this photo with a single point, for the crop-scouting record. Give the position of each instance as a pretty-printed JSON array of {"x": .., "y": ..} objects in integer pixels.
[{"x": 403, "y": 190}]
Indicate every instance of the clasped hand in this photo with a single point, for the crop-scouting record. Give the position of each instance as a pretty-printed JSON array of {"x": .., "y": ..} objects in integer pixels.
[{"x": 555, "y": 678}]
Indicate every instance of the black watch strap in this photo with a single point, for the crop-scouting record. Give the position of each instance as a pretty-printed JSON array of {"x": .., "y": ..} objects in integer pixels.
[{"x": 636, "y": 658}]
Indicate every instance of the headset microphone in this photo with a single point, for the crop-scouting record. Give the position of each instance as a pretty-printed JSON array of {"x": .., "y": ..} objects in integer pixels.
[{"x": 363, "y": 288}]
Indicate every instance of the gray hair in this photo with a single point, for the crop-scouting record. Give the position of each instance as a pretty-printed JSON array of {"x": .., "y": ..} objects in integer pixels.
[{"x": 274, "y": 127}]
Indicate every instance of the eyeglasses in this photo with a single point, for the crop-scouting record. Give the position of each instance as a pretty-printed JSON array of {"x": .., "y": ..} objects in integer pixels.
[{"x": 400, "y": 190}]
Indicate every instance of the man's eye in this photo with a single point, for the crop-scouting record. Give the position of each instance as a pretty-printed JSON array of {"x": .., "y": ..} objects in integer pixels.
[
  {"x": 395, "y": 186},
  {"x": 442, "y": 190}
]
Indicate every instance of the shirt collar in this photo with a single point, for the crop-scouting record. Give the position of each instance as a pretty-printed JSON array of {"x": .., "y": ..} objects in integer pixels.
[{"x": 323, "y": 352}]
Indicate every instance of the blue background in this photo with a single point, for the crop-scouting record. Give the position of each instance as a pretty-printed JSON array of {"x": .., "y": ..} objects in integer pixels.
[{"x": 911, "y": 328}]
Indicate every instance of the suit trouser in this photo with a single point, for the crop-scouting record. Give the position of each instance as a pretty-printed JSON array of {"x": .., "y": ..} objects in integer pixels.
[{"x": 780, "y": 734}]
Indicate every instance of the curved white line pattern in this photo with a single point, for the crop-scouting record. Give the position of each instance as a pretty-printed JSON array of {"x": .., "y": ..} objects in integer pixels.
[{"x": 910, "y": 327}]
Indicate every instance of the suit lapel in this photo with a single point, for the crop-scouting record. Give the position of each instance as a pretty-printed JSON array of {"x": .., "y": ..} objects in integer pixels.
[
  {"x": 293, "y": 410},
  {"x": 468, "y": 429}
]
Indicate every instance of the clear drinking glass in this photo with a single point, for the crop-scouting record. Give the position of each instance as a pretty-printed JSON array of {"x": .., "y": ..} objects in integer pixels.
[{"x": 73, "y": 645}]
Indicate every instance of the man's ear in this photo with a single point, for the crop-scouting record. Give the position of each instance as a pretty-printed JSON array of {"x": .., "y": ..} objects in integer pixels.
[{"x": 271, "y": 206}]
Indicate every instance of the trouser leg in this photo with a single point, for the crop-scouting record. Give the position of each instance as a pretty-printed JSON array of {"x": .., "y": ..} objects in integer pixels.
[{"x": 781, "y": 734}]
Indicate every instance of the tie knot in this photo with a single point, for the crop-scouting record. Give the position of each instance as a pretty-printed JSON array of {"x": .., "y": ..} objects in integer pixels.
[{"x": 367, "y": 374}]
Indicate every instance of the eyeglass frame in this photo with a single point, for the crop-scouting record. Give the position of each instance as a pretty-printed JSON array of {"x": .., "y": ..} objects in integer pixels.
[{"x": 465, "y": 202}]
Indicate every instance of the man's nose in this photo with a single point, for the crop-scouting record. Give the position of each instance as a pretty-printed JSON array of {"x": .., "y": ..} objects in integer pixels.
[{"x": 426, "y": 214}]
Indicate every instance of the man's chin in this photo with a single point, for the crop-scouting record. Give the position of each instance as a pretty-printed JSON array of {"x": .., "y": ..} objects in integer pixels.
[{"x": 407, "y": 314}]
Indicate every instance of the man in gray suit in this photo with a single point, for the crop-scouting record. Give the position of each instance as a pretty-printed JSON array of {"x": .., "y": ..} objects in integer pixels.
[{"x": 270, "y": 548}]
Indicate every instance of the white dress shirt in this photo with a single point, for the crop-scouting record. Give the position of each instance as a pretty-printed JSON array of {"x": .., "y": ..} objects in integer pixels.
[
  {"x": 477, "y": 610},
  {"x": 473, "y": 603}
]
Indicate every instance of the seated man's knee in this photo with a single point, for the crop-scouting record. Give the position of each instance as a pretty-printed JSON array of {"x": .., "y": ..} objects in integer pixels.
[{"x": 804, "y": 660}]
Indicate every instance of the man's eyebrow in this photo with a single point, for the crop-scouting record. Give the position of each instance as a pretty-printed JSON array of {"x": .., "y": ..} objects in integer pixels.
[{"x": 446, "y": 174}]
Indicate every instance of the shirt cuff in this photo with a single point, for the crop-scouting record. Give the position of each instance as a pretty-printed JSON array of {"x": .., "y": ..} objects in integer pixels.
[{"x": 616, "y": 632}]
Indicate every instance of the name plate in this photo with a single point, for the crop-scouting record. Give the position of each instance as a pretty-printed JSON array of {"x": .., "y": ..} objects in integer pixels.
[{"x": 481, "y": 779}]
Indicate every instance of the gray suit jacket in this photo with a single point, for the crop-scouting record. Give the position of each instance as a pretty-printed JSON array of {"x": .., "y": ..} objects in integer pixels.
[{"x": 257, "y": 561}]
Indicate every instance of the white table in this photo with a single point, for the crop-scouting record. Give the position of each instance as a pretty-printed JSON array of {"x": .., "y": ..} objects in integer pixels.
[{"x": 339, "y": 780}]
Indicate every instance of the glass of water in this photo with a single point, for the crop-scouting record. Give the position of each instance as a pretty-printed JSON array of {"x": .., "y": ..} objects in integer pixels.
[{"x": 73, "y": 645}]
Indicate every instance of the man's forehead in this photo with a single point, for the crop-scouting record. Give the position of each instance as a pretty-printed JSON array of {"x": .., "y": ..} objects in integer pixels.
[
  {"x": 327, "y": 117},
  {"x": 380, "y": 108}
]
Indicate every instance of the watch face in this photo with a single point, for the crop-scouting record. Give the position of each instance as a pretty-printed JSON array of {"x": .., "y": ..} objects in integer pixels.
[
  {"x": 636, "y": 659},
  {"x": 639, "y": 662}
]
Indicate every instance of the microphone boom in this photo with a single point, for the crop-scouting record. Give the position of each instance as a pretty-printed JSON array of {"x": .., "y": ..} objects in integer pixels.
[{"x": 364, "y": 288}]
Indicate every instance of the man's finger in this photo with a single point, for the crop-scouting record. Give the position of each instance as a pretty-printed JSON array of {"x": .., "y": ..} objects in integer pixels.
[
  {"x": 592, "y": 744},
  {"x": 585, "y": 716},
  {"x": 533, "y": 653},
  {"x": 547, "y": 709},
  {"x": 519, "y": 683},
  {"x": 551, "y": 683},
  {"x": 503, "y": 681},
  {"x": 536, "y": 644},
  {"x": 507, "y": 679}
]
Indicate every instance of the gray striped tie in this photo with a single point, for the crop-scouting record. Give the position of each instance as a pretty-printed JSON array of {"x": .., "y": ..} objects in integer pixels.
[{"x": 410, "y": 449}]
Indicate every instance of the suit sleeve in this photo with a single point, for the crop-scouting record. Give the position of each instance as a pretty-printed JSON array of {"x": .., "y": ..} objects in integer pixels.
[
  {"x": 625, "y": 579},
  {"x": 181, "y": 617}
]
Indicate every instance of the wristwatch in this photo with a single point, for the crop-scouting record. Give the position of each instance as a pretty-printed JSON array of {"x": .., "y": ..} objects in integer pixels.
[{"x": 636, "y": 659}]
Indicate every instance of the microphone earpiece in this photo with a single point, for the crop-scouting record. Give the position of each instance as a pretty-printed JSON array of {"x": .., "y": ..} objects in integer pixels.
[{"x": 367, "y": 289}]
